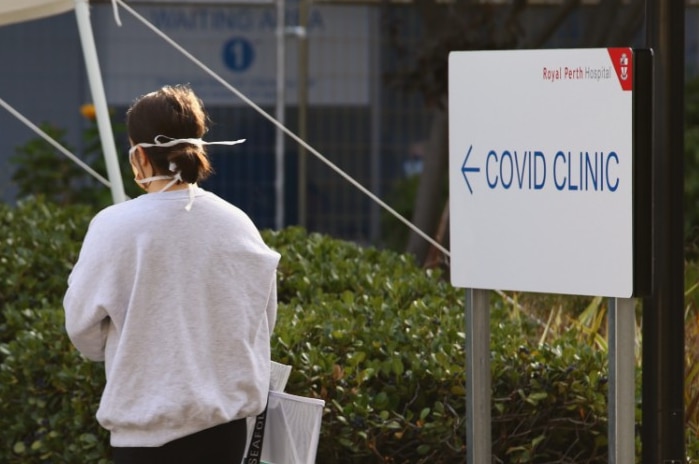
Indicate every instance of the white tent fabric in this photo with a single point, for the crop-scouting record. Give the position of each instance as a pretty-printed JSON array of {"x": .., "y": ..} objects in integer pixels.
[{"x": 14, "y": 11}]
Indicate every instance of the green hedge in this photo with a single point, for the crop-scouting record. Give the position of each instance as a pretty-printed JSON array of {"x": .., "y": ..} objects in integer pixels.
[
  {"x": 48, "y": 394},
  {"x": 375, "y": 336},
  {"x": 382, "y": 341},
  {"x": 38, "y": 245}
]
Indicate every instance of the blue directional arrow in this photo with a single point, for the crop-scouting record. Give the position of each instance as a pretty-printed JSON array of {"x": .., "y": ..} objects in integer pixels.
[{"x": 465, "y": 170}]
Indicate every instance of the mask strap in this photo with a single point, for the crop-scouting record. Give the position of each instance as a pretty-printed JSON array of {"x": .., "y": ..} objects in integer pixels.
[
  {"x": 172, "y": 142},
  {"x": 190, "y": 187},
  {"x": 152, "y": 178},
  {"x": 177, "y": 177},
  {"x": 116, "y": 13}
]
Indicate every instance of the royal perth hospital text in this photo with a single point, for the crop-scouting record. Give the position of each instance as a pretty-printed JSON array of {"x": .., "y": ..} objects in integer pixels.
[
  {"x": 576, "y": 73},
  {"x": 567, "y": 170}
]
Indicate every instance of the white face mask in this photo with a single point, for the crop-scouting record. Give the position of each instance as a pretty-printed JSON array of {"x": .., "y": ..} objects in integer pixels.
[{"x": 172, "y": 167}]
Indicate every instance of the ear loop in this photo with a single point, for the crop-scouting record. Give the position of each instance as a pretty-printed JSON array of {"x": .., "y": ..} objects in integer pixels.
[
  {"x": 172, "y": 167},
  {"x": 143, "y": 181},
  {"x": 148, "y": 180}
]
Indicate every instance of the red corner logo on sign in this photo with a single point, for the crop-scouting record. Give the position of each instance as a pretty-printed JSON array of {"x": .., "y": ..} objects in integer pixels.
[{"x": 622, "y": 60}]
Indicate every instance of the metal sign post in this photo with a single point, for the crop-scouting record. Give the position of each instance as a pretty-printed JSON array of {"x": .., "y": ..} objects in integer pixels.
[
  {"x": 478, "y": 430},
  {"x": 622, "y": 391}
]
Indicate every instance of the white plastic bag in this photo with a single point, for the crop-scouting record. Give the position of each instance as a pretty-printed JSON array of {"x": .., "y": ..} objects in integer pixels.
[
  {"x": 292, "y": 426},
  {"x": 292, "y": 429}
]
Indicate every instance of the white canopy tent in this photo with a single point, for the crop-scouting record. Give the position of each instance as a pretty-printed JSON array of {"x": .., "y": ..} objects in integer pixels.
[{"x": 14, "y": 11}]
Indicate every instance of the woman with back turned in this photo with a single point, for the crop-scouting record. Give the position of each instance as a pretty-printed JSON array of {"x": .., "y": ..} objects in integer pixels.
[{"x": 176, "y": 292}]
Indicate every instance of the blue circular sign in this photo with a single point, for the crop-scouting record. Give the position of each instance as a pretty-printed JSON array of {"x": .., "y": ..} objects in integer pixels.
[{"x": 238, "y": 54}]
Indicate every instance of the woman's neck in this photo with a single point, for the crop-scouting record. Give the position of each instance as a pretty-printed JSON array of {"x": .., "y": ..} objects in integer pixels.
[{"x": 157, "y": 185}]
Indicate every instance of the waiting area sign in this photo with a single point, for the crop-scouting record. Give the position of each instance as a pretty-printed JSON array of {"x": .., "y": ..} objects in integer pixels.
[{"x": 548, "y": 168}]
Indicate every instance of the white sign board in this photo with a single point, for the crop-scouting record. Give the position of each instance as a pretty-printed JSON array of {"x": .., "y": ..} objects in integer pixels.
[
  {"x": 540, "y": 170},
  {"x": 239, "y": 43}
]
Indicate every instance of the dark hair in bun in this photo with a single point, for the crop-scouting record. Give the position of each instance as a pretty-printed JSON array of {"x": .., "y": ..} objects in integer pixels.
[{"x": 177, "y": 113}]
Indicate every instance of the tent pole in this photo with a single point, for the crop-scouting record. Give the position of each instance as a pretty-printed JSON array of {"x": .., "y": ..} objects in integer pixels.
[
  {"x": 280, "y": 115},
  {"x": 104, "y": 124}
]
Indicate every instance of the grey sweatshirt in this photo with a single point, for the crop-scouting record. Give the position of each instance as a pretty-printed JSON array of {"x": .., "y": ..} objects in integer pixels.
[{"x": 180, "y": 306}]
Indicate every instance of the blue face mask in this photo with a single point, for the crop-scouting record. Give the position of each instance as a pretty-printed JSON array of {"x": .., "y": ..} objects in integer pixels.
[{"x": 176, "y": 176}]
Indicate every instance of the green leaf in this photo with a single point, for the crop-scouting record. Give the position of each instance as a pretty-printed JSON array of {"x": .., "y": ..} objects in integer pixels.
[
  {"x": 535, "y": 397},
  {"x": 537, "y": 440},
  {"x": 424, "y": 413},
  {"x": 397, "y": 366},
  {"x": 19, "y": 448}
]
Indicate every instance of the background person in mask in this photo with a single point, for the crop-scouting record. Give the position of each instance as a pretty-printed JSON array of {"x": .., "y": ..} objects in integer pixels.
[{"x": 176, "y": 292}]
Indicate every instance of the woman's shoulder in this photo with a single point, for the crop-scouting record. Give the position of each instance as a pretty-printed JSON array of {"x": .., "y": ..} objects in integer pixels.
[
  {"x": 119, "y": 215},
  {"x": 226, "y": 207}
]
